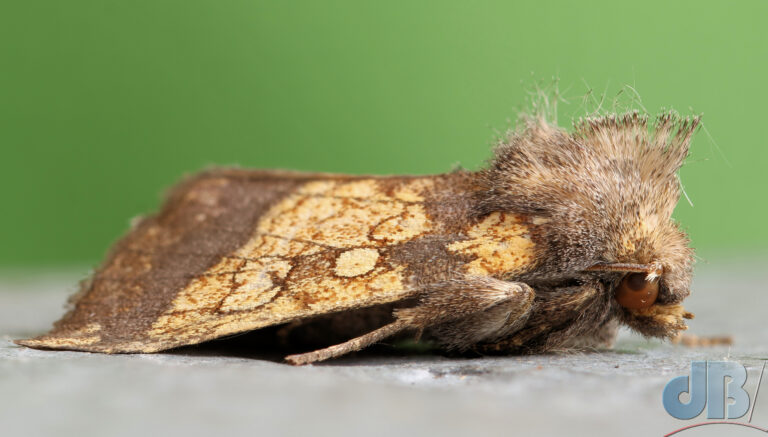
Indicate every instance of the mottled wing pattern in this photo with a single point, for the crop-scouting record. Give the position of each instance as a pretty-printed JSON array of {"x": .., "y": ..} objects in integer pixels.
[
  {"x": 319, "y": 250},
  {"x": 235, "y": 251}
]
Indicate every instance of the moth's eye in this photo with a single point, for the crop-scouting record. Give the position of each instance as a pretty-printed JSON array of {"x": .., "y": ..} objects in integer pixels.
[{"x": 635, "y": 293}]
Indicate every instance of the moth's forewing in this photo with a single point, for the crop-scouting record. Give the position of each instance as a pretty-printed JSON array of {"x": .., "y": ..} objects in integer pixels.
[{"x": 236, "y": 250}]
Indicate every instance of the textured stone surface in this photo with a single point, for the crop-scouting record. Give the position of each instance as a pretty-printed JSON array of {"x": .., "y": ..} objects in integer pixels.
[{"x": 212, "y": 392}]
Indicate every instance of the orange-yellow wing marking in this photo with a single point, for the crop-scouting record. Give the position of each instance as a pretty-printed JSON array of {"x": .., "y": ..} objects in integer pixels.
[
  {"x": 317, "y": 251},
  {"x": 500, "y": 244}
]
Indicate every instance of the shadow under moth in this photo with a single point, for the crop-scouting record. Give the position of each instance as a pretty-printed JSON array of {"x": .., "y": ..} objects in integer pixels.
[{"x": 558, "y": 241}]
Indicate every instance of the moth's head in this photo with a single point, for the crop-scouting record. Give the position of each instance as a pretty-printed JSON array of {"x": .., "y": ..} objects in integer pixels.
[{"x": 606, "y": 193}]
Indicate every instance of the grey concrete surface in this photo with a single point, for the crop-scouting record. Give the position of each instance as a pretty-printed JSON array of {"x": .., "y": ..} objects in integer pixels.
[{"x": 209, "y": 393}]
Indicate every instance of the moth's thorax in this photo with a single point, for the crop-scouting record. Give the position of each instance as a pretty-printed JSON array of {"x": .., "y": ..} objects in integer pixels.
[{"x": 635, "y": 240}]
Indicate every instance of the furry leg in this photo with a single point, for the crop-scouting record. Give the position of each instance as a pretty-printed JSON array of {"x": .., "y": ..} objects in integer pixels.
[
  {"x": 465, "y": 311},
  {"x": 471, "y": 309},
  {"x": 348, "y": 346}
]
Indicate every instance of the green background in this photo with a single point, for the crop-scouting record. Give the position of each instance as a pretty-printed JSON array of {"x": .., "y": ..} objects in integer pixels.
[{"x": 104, "y": 104}]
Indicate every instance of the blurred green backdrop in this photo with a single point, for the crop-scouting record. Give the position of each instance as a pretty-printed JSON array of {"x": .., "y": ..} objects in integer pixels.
[{"x": 104, "y": 104}]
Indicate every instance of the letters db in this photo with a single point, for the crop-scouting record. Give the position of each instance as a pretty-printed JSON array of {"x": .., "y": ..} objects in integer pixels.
[{"x": 708, "y": 387}]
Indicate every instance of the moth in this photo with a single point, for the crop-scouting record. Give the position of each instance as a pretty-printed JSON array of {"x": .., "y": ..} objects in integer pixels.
[{"x": 560, "y": 239}]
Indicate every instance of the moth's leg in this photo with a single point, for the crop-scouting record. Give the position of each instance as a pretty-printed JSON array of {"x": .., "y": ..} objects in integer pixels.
[
  {"x": 570, "y": 316},
  {"x": 602, "y": 338},
  {"x": 463, "y": 311},
  {"x": 348, "y": 346},
  {"x": 693, "y": 340},
  {"x": 472, "y": 309}
]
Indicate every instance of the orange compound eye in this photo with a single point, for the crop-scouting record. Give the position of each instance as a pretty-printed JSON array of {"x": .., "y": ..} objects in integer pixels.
[{"x": 635, "y": 293}]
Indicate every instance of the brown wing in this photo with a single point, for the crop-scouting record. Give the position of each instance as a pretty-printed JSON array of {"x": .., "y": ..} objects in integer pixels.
[{"x": 234, "y": 250}]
